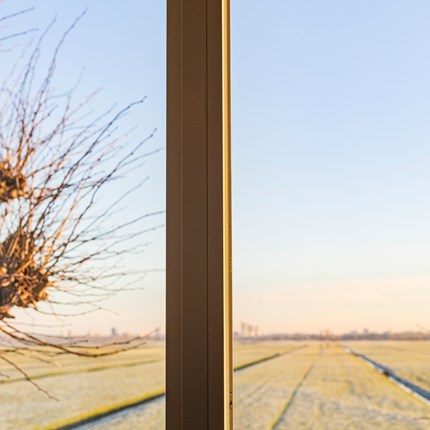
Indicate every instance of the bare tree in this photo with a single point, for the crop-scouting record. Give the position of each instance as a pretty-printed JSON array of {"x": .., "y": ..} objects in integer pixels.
[{"x": 57, "y": 243}]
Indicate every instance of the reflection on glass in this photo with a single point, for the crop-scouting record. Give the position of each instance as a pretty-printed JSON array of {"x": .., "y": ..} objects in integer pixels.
[
  {"x": 82, "y": 199},
  {"x": 330, "y": 105}
]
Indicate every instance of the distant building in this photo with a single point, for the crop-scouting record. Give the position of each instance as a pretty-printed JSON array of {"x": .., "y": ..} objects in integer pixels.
[
  {"x": 248, "y": 330},
  {"x": 113, "y": 332}
]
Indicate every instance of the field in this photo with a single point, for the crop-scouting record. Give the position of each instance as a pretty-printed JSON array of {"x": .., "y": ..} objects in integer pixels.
[{"x": 305, "y": 386}]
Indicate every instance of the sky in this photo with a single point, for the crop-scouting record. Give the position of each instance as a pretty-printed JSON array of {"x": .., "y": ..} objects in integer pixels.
[
  {"x": 330, "y": 155},
  {"x": 331, "y": 164}
]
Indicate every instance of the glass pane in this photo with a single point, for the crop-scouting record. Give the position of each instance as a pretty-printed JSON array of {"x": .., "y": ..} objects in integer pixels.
[
  {"x": 331, "y": 231},
  {"x": 82, "y": 204}
]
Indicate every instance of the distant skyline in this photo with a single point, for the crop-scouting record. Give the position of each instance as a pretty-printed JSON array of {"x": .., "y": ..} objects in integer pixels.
[{"x": 331, "y": 155}]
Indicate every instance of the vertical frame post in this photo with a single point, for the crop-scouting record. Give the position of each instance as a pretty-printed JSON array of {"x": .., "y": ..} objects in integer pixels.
[{"x": 199, "y": 341}]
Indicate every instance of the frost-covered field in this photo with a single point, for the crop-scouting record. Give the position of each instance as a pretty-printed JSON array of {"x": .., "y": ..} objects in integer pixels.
[
  {"x": 85, "y": 385},
  {"x": 80, "y": 385},
  {"x": 341, "y": 392},
  {"x": 317, "y": 386}
]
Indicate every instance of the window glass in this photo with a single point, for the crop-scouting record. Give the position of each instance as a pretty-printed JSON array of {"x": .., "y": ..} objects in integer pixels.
[
  {"x": 331, "y": 232},
  {"x": 82, "y": 224}
]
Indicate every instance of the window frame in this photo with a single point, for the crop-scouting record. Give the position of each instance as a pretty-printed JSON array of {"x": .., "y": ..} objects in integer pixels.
[{"x": 199, "y": 393}]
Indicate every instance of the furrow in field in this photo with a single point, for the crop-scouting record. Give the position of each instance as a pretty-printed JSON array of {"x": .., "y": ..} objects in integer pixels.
[
  {"x": 342, "y": 392},
  {"x": 247, "y": 352},
  {"x": 278, "y": 419},
  {"x": 105, "y": 414},
  {"x": 64, "y": 365},
  {"x": 79, "y": 371},
  {"x": 150, "y": 416},
  {"x": 263, "y": 359},
  {"x": 260, "y": 392}
]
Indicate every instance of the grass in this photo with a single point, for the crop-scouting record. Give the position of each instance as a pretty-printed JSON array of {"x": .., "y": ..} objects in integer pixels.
[
  {"x": 262, "y": 391},
  {"x": 338, "y": 392},
  {"x": 101, "y": 412},
  {"x": 277, "y": 419},
  {"x": 265, "y": 358},
  {"x": 342, "y": 392},
  {"x": 80, "y": 390},
  {"x": 79, "y": 371}
]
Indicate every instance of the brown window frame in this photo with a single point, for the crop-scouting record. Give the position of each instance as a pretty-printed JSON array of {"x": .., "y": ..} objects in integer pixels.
[{"x": 199, "y": 391}]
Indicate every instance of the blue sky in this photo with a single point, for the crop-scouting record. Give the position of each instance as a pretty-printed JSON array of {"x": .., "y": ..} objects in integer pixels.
[
  {"x": 122, "y": 51},
  {"x": 331, "y": 154},
  {"x": 331, "y": 133}
]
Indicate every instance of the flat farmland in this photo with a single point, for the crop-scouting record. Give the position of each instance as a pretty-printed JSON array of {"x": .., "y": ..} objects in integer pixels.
[
  {"x": 79, "y": 386},
  {"x": 83, "y": 386},
  {"x": 342, "y": 392},
  {"x": 299, "y": 386}
]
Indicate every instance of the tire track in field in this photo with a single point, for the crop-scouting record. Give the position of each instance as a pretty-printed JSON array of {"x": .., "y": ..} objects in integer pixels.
[
  {"x": 267, "y": 358},
  {"x": 78, "y": 371},
  {"x": 262, "y": 383},
  {"x": 290, "y": 400}
]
